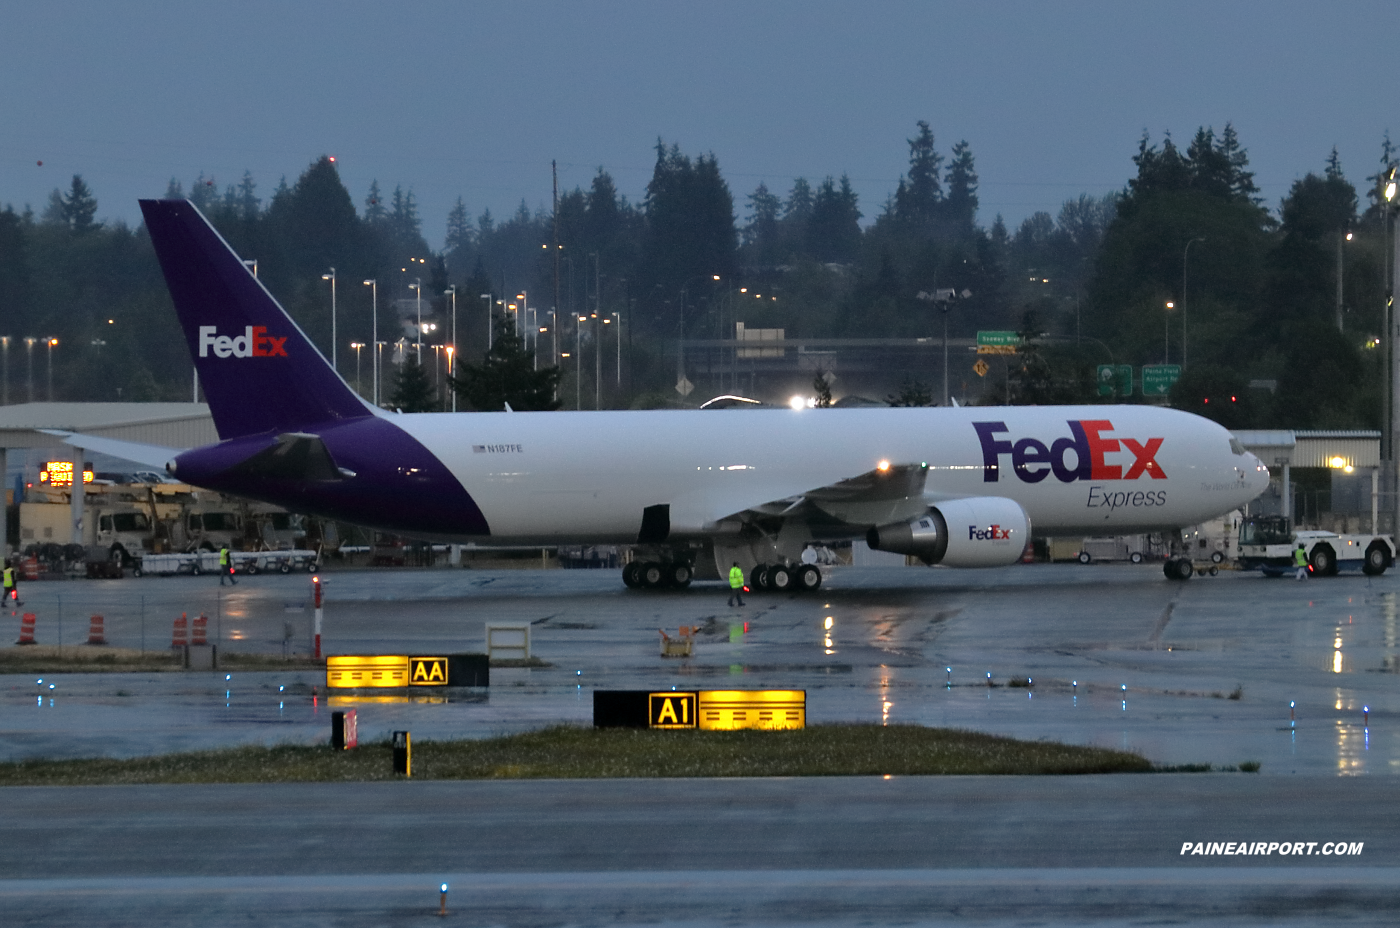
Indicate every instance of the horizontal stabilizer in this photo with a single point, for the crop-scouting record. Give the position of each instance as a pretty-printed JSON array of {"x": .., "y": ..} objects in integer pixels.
[{"x": 153, "y": 456}]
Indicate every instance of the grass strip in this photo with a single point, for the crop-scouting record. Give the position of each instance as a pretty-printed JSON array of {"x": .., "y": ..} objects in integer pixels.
[
  {"x": 566, "y": 752},
  {"x": 82, "y": 658}
]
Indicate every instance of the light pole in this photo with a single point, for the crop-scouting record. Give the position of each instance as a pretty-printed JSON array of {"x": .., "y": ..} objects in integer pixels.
[
  {"x": 680, "y": 325},
  {"x": 5, "y": 353},
  {"x": 1343, "y": 236},
  {"x": 487, "y": 298},
  {"x": 1184, "y": 253},
  {"x": 29, "y": 353},
  {"x": 617, "y": 335},
  {"x": 51, "y": 342},
  {"x": 524, "y": 308},
  {"x": 452, "y": 349},
  {"x": 578, "y": 362},
  {"x": 1391, "y": 331},
  {"x": 330, "y": 275},
  {"x": 417, "y": 288},
  {"x": 357, "y": 346},
  {"x": 1166, "y": 322},
  {"x": 374, "y": 340}
]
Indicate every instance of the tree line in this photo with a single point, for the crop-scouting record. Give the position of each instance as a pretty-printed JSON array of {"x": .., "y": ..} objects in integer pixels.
[{"x": 1265, "y": 338}]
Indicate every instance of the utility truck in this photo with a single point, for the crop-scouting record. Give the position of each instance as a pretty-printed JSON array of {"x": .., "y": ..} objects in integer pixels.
[{"x": 1267, "y": 543}]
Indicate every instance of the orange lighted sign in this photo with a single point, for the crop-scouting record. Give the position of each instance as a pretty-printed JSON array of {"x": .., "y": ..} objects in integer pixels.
[{"x": 60, "y": 474}]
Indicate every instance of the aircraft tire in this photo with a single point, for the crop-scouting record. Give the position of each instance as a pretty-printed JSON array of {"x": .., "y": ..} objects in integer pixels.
[
  {"x": 1376, "y": 560},
  {"x": 679, "y": 575},
  {"x": 1178, "y": 568},
  {"x": 631, "y": 575},
  {"x": 809, "y": 578},
  {"x": 758, "y": 578},
  {"x": 780, "y": 579},
  {"x": 652, "y": 575}
]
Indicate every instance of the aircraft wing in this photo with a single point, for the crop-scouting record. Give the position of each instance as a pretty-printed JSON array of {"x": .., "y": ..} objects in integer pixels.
[{"x": 892, "y": 493}]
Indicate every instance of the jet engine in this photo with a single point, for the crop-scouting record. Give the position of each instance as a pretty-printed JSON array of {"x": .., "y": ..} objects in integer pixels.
[{"x": 984, "y": 531}]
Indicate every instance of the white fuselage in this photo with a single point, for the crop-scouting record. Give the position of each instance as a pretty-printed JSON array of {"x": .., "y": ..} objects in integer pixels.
[{"x": 560, "y": 476}]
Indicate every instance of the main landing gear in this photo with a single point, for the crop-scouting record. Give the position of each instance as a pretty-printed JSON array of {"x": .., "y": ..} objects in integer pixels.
[
  {"x": 656, "y": 575},
  {"x": 780, "y": 578}
]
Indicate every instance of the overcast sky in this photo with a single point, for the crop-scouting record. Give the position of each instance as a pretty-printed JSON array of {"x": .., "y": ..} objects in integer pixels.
[{"x": 474, "y": 100}]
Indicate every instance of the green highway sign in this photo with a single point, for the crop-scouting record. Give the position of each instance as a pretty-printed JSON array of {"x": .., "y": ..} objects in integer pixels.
[
  {"x": 998, "y": 342},
  {"x": 1115, "y": 380},
  {"x": 1157, "y": 379}
]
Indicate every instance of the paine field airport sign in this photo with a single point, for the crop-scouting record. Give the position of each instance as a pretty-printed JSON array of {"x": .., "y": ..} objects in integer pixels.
[{"x": 702, "y": 710}]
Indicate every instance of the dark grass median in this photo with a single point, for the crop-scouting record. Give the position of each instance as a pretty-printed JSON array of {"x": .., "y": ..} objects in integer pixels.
[{"x": 586, "y": 753}]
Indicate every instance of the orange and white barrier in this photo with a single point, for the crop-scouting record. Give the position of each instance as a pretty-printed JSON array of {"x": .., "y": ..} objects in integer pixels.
[
  {"x": 199, "y": 633},
  {"x": 181, "y": 637},
  {"x": 96, "y": 634},
  {"x": 26, "y": 629}
]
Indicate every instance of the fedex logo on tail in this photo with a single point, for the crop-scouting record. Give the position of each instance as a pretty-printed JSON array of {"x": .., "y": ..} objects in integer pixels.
[
  {"x": 253, "y": 343},
  {"x": 1081, "y": 455}
]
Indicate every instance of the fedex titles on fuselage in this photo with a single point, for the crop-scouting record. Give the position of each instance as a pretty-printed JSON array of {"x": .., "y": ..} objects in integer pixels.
[
  {"x": 253, "y": 343},
  {"x": 1080, "y": 456}
]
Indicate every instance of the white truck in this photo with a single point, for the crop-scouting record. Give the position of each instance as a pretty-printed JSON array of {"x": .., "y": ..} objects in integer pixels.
[{"x": 1267, "y": 543}]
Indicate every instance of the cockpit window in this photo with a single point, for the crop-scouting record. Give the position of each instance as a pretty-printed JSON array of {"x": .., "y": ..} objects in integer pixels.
[{"x": 1235, "y": 446}]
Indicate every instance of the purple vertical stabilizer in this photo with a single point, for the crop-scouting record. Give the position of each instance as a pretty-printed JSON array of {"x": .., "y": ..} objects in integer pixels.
[{"x": 259, "y": 371}]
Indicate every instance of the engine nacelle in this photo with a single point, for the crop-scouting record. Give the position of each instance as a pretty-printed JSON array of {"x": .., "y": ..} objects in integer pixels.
[{"x": 985, "y": 531}]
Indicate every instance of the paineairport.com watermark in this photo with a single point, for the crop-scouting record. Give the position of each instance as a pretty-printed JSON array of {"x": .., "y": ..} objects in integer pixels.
[{"x": 1271, "y": 848}]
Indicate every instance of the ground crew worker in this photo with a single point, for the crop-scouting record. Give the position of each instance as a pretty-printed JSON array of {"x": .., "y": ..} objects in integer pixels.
[
  {"x": 12, "y": 583},
  {"x": 736, "y": 584},
  {"x": 226, "y": 566},
  {"x": 1300, "y": 560}
]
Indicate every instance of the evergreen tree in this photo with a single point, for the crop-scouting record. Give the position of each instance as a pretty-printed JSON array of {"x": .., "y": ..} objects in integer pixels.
[
  {"x": 249, "y": 204},
  {"x": 203, "y": 192},
  {"x": 960, "y": 207},
  {"x": 689, "y": 222},
  {"x": 760, "y": 233},
  {"x": 174, "y": 190},
  {"x": 912, "y": 392},
  {"x": 921, "y": 191},
  {"x": 14, "y": 272},
  {"x": 833, "y": 232},
  {"x": 459, "y": 227},
  {"x": 506, "y": 375},
  {"x": 375, "y": 213},
  {"x": 79, "y": 206},
  {"x": 413, "y": 390}
]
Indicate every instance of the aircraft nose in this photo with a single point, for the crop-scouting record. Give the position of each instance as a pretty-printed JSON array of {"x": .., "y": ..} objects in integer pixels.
[{"x": 1256, "y": 476}]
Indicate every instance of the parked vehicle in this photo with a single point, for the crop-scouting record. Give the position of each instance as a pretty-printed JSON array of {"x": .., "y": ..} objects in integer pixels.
[{"x": 1267, "y": 543}]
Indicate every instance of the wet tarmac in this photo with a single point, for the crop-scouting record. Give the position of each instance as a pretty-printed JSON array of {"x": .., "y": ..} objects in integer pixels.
[{"x": 1298, "y": 677}]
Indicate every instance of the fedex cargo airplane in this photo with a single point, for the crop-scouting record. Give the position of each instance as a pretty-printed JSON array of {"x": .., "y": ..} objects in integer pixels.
[{"x": 694, "y": 491}]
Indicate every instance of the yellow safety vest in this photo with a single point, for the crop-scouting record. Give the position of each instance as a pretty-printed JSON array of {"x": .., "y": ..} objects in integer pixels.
[
  {"x": 736, "y": 577},
  {"x": 1300, "y": 557},
  {"x": 223, "y": 557},
  {"x": 9, "y": 578}
]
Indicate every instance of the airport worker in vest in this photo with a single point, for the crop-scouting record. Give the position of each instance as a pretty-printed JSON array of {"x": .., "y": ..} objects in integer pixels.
[
  {"x": 12, "y": 583},
  {"x": 1300, "y": 560},
  {"x": 736, "y": 584},
  {"x": 226, "y": 566}
]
